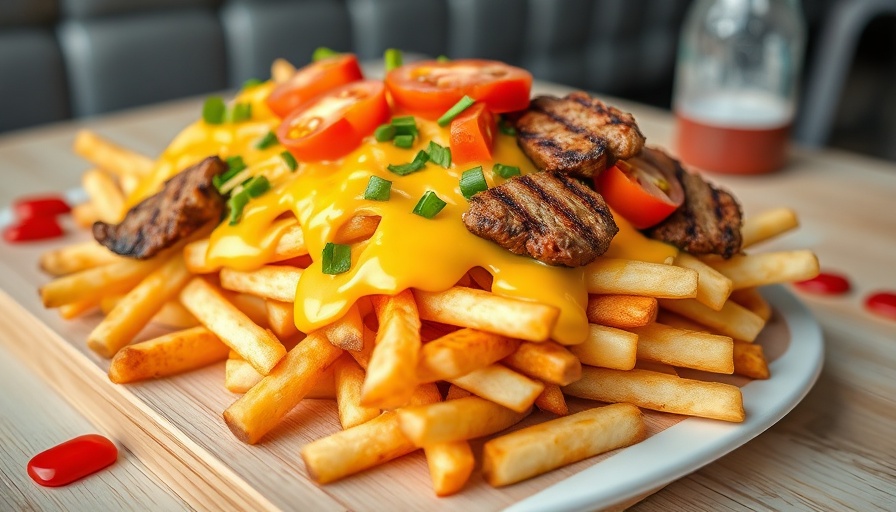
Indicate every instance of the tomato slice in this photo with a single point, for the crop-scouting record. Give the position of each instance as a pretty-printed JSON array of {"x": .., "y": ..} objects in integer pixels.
[
  {"x": 640, "y": 191},
  {"x": 333, "y": 124},
  {"x": 472, "y": 133},
  {"x": 429, "y": 88},
  {"x": 314, "y": 79}
]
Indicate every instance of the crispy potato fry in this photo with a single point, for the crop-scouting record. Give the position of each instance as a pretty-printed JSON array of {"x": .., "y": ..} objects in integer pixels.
[
  {"x": 105, "y": 196},
  {"x": 275, "y": 282},
  {"x": 450, "y": 466},
  {"x": 94, "y": 283},
  {"x": 258, "y": 411},
  {"x": 683, "y": 348},
  {"x": 290, "y": 245},
  {"x": 195, "y": 257},
  {"x": 460, "y": 352},
  {"x": 767, "y": 224},
  {"x": 621, "y": 310},
  {"x": 486, "y": 311},
  {"x": 455, "y": 392},
  {"x": 239, "y": 377},
  {"x": 656, "y": 367},
  {"x": 608, "y": 347},
  {"x": 172, "y": 314},
  {"x": 253, "y": 343},
  {"x": 282, "y": 70},
  {"x": 749, "y": 360},
  {"x": 455, "y": 420},
  {"x": 76, "y": 257},
  {"x": 84, "y": 215},
  {"x": 349, "y": 377},
  {"x": 540, "y": 448},
  {"x": 671, "y": 319},
  {"x": 347, "y": 333},
  {"x": 633, "y": 277},
  {"x": 502, "y": 386},
  {"x": 254, "y": 307},
  {"x": 392, "y": 369},
  {"x": 109, "y": 156},
  {"x": 357, "y": 229},
  {"x": 76, "y": 309},
  {"x": 713, "y": 288},
  {"x": 552, "y": 400},
  {"x": 137, "y": 308},
  {"x": 732, "y": 320},
  {"x": 281, "y": 318},
  {"x": 547, "y": 361},
  {"x": 660, "y": 392},
  {"x": 166, "y": 355},
  {"x": 751, "y": 299},
  {"x": 362, "y": 357},
  {"x": 746, "y": 271}
]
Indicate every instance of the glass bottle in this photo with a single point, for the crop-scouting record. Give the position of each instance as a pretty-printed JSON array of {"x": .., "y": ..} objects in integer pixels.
[{"x": 736, "y": 83}]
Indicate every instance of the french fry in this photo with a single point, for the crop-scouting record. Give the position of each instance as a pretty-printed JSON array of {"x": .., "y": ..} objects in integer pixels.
[
  {"x": 660, "y": 392},
  {"x": 105, "y": 196},
  {"x": 547, "y": 361},
  {"x": 76, "y": 257},
  {"x": 687, "y": 349},
  {"x": 347, "y": 333},
  {"x": 172, "y": 314},
  {"x": 502, "y": 386},
  {"x": 84, "y": 215},
  {"x": 195, "y": 257},
  {"x": 751, "y": 299},
  {"x": 552, "y": 400},
  {"x": 455, "y": 420},
  {"x": 349, "y": 377},
  {"x": 656, "y": 367},
  {"x": 256, "y": 345},
  {"x": 239, "y": 377},
  {"x": 275, "y": 282},
  {"x": 392, "y": 370},
  {"x": 749, "y": 360},
  {"x": 621, "y": 310},
  {"x": 138, "y": 307},
  {"x": 166, "y": 355},
  {"x": 450, "y": 466},
  {"x": 460, "y": 352},
  {"x": 281, "y": 318},
  {"x": 357, "y": 229},
  {"x": 291, "y": 244},
  {"x": 633, "y": 277},
  {"x": 713, "y": 288},
  {"x": 608, "y": 347},
  {"x": 76, "y": 309},
  {"x": 362, "y": 357},
  {"x": 94, "y": 283},
  {"x": 556, "y": 443},
  {"x": 109, "y": 156},
  {"x": 455, "y": 392},
  {"x": 766, "y": 225},
  {"x": 486, "y": 311},
  {"x": 282, "y": 70},
  {"x": 254, "y": 307},
  {"x": 258, "y": 411},
  {"x": 671, "y": 319},
  {"x": 760, "y": 269},
  {"x": 732, "y": 320}
]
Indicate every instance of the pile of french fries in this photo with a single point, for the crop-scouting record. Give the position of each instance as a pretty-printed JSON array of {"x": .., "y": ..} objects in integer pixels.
[{"x": 389, "y": 361}]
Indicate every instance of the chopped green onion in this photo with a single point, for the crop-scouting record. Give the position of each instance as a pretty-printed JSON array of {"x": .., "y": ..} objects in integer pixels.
[
  {"x": 455, "y": 111},
  {"x": 241, "y": 112},
  {"x": 236, "y": 203},
  {"x": 213, "y": 110},
  {"x": 393, "y": 59},
  {"x": 439, "y": 155},
  {"x": 256, "y": 186},
  {"x": 404, "y": 141},
  {"x": 267, "y": 141},
  {"x": 443, "y": 58},
  {"x": 405, "y": 125},
  {"x": 290, "y": 160},
  {"x": 336, "y": 258},
  {"x": 429, "y": 205},
  {"x": 506, "y": 127},
  {"x": 235, "y": 164},
  {"x": 323, "y": 53},
  {"x": 378, "y": 189},
  {"x": 506, "y": 171},
  {"x": 384, "y": 132},
  {"x": 250, "y": 83},
  {"x": 417, "y": 164},
  {"x": 472, "y": 181}
]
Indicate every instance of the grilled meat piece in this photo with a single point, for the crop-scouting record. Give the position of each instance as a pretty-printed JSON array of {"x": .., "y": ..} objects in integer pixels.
[
  {"x": 577, "y": 135},
  {"x": 186, "y": 203},
  {"x": 549, "y": 216},
  {"x": 708, "y": 222}
]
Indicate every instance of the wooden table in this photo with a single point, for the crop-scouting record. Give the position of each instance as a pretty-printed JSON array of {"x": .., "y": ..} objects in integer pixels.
[{"x": 834, "y": 451}]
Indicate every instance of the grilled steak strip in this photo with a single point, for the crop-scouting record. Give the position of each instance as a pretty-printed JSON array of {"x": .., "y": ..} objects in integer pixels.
[
  {"x": 186, "y": 203},
  {"x": 576, "y": 135},
  {"x": 549, "y": 216}
]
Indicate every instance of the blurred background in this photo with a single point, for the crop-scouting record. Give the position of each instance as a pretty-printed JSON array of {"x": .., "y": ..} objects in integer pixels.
[{"x": 63, "y": 59}]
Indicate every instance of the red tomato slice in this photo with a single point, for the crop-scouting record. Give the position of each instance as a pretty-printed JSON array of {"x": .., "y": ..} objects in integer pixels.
[
  {"x": 333, "y": 124},
  {"x": 313, "y": 79},
  {"x": 640, "y": 191},
  {"x": 429, "y": 88},
  {"x": 472, "y": 133}
]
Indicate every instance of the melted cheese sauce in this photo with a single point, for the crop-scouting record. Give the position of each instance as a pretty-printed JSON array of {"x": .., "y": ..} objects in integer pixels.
[{"x": 406, "y": 251}]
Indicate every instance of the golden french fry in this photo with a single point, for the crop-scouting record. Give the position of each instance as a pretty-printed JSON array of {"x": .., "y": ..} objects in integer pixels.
[
  {"x": 671, "y": 319},
  {"x": 137, "y": 308},
  {"x": 460, "y": 352},
  {"x": 76, "y": 309},
  {"x": 713, "y": 288},
  {"x": 349, "y": 377},
  {"x": 258, "y": 411},
  {"x": 751, "y": 299},
  {"x": 239, "y": 377},
  {"x": 282, "y": 70},
  {"x": 392, "y": 369},
  {"x": 166, "y": 355},
  {"x": 84, "y": 215},
  {"x": 450, "y": 466},
  {"x": 455, "y": 420},
  {"x": 347, "y": 333},
  {"x": 621, "y": 310},
  {"x": 633, "y": 277},
  {"x": 281, "y": 318},
  {"x": 275, "y": 282},
  {"x": 749, "y": 360},
  {"x": 502, "y": 386},
  {"x": 94, "y": 283},
  {"x": 362, "y": 357},
  {"x": 254, "y": 344},
  {"x": 76, "y": 257},
  {"x": 656, "y": 367},
  {"x": 254, "y": 307},
  {"x": 547, "y": 361},
  {"x": 357, "y": 229},
  {"x": 291, "y": 244},
  {"x": 109, "y": 156},
  {"x": 660, "y": 392},
  {"x": 552, "y": 400},
  {"x": 732, "y": 320},
  {"x": 559, "y": 442},
  {"x": 455, "y": 392},
  {"x": 608, "y": 347},
  {"x": 683, "y": 348},
  {"x": 751, "y": 270},
  {"x": 105, "y": 196},
  {"x": 486, "y": 311},
  {"x": 195, "y": 257},
  {"x": 767, "y": 224}
]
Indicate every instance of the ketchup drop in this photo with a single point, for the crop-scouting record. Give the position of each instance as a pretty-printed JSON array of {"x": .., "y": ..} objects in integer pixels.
[
  {"x": 34, "y": 228},
  {"x": 72, "y": 460},
  {"x": 825, "y": 283},
  {"x": 40, "y": 206},
  {"x": 883, "y": 304}
]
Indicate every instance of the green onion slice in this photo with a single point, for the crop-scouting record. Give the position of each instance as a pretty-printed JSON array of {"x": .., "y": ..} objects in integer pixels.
[
  {"x": 439, "y": 155},
  {"x": 405, "y": 125},
  {"x": 384, "y": 132},
  {"x": 241, "y": 112},
  {"x": 404, "y": 141},
  {"x": 290, "y": 160},
  {"x": 429, "y": 205},
  {"x": 323, "y": 53},
  {"x": 417, "y": 164},
  {"x": 267, "y": 141},
  {"x": 250, "y": 83},
  {"x": 472, "y": 181},
  {"x": 506, "y": 127},
  {"x": 506, "y": 171},
  {"x": 236, "y": 203},
  {"x": 455, "y": 111},
  {"x": 336, "y": 258},
  {"x": 256, "y": 186},
  {"x": 213, "y": 110},
  {"x": 378, "y": 189},
  {"x": 393, "y": 59},
  {"x": 235, "y": 164},
  {"x": 443, "y": 58}
]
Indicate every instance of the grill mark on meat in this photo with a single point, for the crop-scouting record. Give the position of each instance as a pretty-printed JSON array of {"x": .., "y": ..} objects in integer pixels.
[{"x": 554, "y": 203}]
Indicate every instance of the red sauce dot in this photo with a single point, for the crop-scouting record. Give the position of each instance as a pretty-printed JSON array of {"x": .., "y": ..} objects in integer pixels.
[
  {"x": 825, "y": 283},
  {"x": 72, "y": 460},
  {"x": 883, "y": 304},
  {"x": 40, "y": 206},
  {"x": 33, "y": 228}
]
